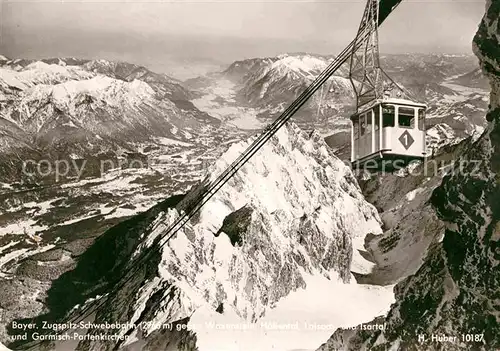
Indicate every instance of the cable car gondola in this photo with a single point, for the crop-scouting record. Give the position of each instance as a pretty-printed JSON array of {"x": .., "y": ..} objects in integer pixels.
[
  {"x": 388, "y": 128},
  {"x": 387, "y": 131}
]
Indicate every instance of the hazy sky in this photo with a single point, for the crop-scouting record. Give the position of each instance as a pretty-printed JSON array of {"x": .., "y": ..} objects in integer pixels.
[{"x": 145, "y": 31}]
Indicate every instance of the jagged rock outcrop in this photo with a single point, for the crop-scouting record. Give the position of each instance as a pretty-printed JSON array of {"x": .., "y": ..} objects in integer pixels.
[
  {"x": 455, "y": 292},
  {"x": 254, "y": 242}
]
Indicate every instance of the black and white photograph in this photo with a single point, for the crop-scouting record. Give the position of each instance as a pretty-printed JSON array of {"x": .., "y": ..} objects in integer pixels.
[{"x": 249, "y": 175}]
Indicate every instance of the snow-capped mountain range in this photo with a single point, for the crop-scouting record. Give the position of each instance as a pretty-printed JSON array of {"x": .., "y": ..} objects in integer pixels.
[
  {"x": 272, "y": 232},
  {"x": 56, "y": 110},
  {"x": 449, "y": 84}
]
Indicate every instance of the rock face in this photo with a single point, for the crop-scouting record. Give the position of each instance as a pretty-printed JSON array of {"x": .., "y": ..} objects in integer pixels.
[
  {"x": 252, "y": 244},
  {"x": 454, "y": 294},
  {"x": 410, "y": 223}
]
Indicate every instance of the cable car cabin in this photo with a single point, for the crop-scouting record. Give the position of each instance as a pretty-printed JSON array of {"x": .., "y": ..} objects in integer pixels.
[{"x": 389, "y": 133}]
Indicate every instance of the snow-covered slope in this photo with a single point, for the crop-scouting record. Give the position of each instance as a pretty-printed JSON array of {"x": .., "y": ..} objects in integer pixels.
[
  {"x": 250, "y": 93},
  {"x": 451, "y": 302},
  {"x": 239, "y": 71},
  {"x": 292, "y": 213},
  {"x": 441, "y": 135},
  {"x": 97, "y": 87}
]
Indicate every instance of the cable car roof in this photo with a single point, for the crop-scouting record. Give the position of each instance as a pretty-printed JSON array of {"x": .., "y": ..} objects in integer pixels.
[
  {"x": 395, "y": 101},
  {"x": 402, "y": 102}
]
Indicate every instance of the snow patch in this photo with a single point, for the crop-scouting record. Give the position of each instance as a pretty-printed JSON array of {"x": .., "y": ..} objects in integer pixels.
[
  {"x": 300, "y": 321},
  {"x": 168, "y": 141}
]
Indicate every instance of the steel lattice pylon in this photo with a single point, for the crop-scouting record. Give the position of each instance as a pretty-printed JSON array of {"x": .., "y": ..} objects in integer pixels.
[
  {"x": 364, "y": 70},
  {"x": 368, "y": 79}
]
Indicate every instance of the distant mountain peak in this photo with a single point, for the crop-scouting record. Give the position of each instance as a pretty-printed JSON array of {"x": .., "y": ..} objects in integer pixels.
[{"x": 302, "y": 64}]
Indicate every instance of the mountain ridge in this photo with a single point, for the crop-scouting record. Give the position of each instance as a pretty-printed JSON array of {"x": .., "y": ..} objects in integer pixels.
[
  {"x": 304, "y": 225},
  {"x": 95, "y": 107}
]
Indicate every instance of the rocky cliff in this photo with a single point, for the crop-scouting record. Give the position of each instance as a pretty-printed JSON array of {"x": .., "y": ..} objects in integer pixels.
[{"x": 257, "y": 240}]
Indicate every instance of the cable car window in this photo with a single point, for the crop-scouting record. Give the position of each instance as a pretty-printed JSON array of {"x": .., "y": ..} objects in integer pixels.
[
  {"x": 376, "y": 116},
  {"x": 387, "y": 116},
  {"x": 406, "y": 117},
  {"x": 369, "y": 122},
  {"x": 355, "y": 126},
  {"x": 362, "y": 125},
  {"x": 421, "y": 119}
]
